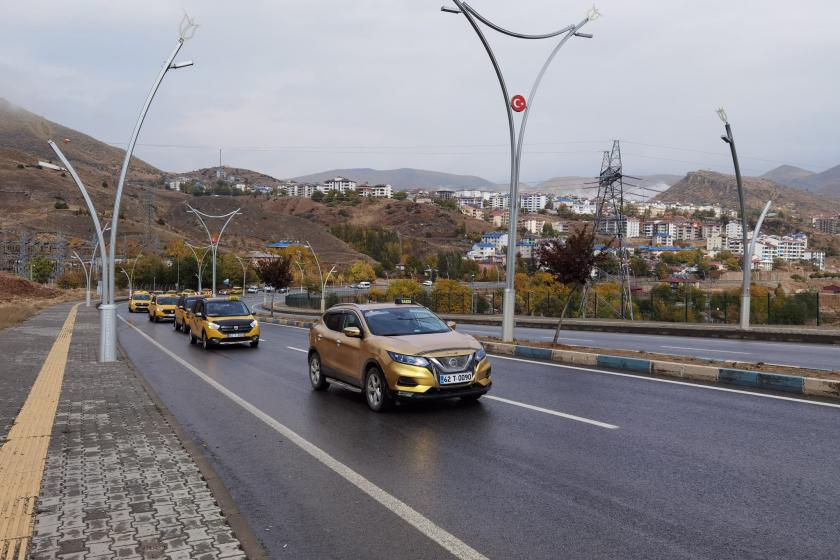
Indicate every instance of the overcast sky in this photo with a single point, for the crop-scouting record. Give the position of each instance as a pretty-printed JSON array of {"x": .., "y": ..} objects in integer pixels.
[{"x": 291, "y": 88}]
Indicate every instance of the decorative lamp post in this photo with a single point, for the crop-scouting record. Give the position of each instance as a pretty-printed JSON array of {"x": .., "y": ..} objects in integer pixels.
[{"x": 518, "y": 104}]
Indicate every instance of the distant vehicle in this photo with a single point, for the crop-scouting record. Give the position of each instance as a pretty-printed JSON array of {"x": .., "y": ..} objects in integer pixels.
[
  {"x": 182, "y": 311},
  {"x": 391, "y": 352},
  {"x": 253, "y": 289},
  {"x": 363, "y": 285},
  {"x": 139, "y": 302},
  {"x": 269, "y": 288},
  {"x": 283, "y": 290},
  {"x": 428, "y": 283},
  {"x": 162, "y": 307}
]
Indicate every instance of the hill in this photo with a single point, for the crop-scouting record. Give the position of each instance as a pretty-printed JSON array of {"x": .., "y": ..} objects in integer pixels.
[
  {"x": 247, "y": 176},
  {"x": 827, "y": 182},
  {"x": 788, "y": 175},
  {"x": 587, "y": 186},
  {"x": 26, "y": 133},
  {"x": 401, "y": 179},
  {"x": 708, "y": 187}
]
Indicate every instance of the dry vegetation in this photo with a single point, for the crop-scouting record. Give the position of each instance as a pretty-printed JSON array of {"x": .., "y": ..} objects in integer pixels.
[{"x": 20, "y": 299}]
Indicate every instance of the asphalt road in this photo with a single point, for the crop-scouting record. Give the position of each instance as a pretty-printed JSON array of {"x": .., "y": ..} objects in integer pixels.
[{"x": 573, "y": 463}]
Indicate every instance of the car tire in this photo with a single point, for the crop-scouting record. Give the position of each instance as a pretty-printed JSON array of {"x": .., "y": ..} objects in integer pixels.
[
  {"x": 377, "y": 395},
  {"x": 204, "y": 342},
  {"x": 192, "y": 337},
  {"x": 175, "y": 325},
  {"x": 255, "y": 343},
  {"x": 316, "y": 374}
]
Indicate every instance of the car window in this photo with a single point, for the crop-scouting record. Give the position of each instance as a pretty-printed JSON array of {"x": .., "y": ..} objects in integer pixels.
[
  {"x": 333, "y": 321},
  {"x": 351, "y": 320},
  {"x": 141, "y": 297},
  {"x": 190, "y": 303},
  {"x": 398, "y": 321},
  {"x": 226, "y": 308}
]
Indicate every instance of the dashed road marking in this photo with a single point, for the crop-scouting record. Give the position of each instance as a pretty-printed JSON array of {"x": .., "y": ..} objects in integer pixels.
[
  {"x": 554, "y": 412},
  {"x": 707, "y": 350}
]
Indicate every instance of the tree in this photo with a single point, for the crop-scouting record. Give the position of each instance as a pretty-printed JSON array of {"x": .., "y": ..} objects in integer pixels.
[
  {"x": 400, "y": 195},
  {"x": 662, "y": 270},
  {"x": 571, "y": 263},
  {"x": 639, "y": 267},
  {"x": 317, "y": 196},
  {"x": 276, "y": 272},
  {"x": 450, "y": 296},
  {"x": 404, "y": 288},
  {"x": 360, "y": 271},
  {"x": 41, "y": 267}
]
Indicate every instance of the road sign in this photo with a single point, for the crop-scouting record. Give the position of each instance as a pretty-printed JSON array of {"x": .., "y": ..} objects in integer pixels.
[{"x": 518, "y": 103}]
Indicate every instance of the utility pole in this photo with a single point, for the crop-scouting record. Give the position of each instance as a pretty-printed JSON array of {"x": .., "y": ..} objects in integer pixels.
[{"x": 519, "y": 104}]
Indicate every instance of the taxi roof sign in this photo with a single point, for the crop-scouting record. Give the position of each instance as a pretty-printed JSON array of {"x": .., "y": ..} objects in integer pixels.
[{"x": 403, "y": 301}]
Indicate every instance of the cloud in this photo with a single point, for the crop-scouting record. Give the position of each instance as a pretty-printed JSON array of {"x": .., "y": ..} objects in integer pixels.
[{"x": 397, "y": 83}]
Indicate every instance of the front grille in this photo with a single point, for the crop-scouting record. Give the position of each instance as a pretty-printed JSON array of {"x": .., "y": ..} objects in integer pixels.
[
  {"x": 452, "y": 364},
  {"x": 234, "y": 325}
]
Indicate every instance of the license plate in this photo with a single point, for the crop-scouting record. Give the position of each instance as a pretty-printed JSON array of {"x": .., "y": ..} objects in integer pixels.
[
  {"x": 236, "y": 335},
  {"x": 452, "y": 378}
]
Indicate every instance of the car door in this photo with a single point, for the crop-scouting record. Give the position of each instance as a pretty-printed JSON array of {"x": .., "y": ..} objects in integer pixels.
[
  {"x": 326, "y": 340},
  {"x": 195, "y": 328},
  {"x": 349, "y": 350}
]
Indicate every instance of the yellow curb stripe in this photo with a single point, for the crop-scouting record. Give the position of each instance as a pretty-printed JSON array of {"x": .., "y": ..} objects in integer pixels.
[{"x": 23, "y": 455}]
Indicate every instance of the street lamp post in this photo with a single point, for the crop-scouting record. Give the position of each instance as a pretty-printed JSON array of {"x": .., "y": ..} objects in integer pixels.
[
  {"x": 109, "y": 310},
  {"x": 321, "y": 276},
  {"x": 198, "y": 262},
  {"x": 519, "y": 104},
  {"x": 214, "y": 239},
  {"x": 129, "y": 280},
  {"x": 747, "y": 265},
  {"x": 244, "y": 269},
  {"x": 106, "y": 353},
  {"x": 87, "y": 277}
]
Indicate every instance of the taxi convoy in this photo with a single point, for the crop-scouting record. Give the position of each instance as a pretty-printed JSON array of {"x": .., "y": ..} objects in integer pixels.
[
  {"x": 210, "y": 321},
  {"x": 390, "y": 352}
]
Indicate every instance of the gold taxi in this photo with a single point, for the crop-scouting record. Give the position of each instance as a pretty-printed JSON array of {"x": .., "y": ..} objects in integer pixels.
[
  {"x": 139, "y": 302},
  {"x": 183, "y": 310},
  {"x": 162, "y": 307},
  {"x": 222, "y": 321},
  {"x": 392, "y": 352}
]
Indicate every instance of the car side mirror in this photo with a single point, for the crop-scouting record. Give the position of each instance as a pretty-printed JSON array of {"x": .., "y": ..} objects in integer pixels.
[
  {"x": 352, "y": 332},
  {"x": 451, "y": 324}
]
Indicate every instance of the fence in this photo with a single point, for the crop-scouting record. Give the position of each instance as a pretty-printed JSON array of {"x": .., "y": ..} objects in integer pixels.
[{"x": 684, "y": 304}]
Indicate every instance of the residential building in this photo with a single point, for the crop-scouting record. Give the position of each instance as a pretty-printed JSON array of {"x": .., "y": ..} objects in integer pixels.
[
  {"x": 498, "y": 201},
  {"x": 527, "y": 248},
  {"x": 532, "y": 224},
  {"x": 714, "y": 243},
  {"x": 500, "y": 218},
  {"x": 300, "y": 189},
  {"x": 482, "y": 251},
  {"x": 712, "y": 229},
  {"x": 376, "y": 191},
  {"x": 444, "y": 194},
  {"x": 498, "y": 239},
  {"x": 340, "y": 184},
  {"x": 629, "y": 227},
  {"x": 827, "y": 225},
  {"x": 471, "y": 211},
  {"x": 734, "y": 229},
  {"x": 533, "y": 202}
]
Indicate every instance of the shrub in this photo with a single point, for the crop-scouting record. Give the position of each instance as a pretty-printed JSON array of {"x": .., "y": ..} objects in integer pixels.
[{"x": 60, "y": 205}]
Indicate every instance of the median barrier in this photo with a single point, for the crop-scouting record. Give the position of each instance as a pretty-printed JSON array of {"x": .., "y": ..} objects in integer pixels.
[{"x": 709, "y": 374}]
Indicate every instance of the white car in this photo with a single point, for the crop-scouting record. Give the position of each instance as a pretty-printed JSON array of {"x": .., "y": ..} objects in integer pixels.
[
  {"x": 253, "y": 290},
  {"x": 363, "y": 285},
  {"x": 269, "y": 288}
]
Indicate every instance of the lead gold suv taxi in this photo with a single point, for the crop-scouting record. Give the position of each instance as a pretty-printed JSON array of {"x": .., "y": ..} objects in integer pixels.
[
  {"x": 222, "y": 321},
  {"x": 392, "y": 352}
]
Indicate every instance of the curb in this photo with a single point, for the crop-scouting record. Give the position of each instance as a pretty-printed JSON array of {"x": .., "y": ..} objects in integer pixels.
[
  {"x": 285, "y": 322},
  {"x": 794, "y": 384}
]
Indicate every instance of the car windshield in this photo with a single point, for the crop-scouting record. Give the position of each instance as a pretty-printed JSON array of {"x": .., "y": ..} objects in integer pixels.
[
  {"x": 398, "y": 321},
  {"x": 226, "y": 308},
  {"x": 166, "y": 300},
  {"x": 141, "y": 297},
  {"x": 190, "y": 303}
]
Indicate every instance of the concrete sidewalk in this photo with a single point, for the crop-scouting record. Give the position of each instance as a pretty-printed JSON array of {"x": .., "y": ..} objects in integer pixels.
[{"x": 117, "y": 480}]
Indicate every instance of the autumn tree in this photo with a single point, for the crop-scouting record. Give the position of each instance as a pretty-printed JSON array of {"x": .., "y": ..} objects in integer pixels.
[
  {"x": 360, "y": 271},
  {"x": 276, "y": 272},
  {"x": 571, "y": 263}
]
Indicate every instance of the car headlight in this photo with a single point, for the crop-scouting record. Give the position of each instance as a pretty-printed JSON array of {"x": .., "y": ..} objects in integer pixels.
[
  {"x": 409, "y": 360},
  {"x": 480, "y": 354},
  {"x": 254, "y": 324},
  {"x": 214, "y": 326}
]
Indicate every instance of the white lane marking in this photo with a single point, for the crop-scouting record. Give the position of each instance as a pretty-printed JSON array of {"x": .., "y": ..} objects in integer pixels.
[
  {"x": 553, "y": 412},
  {"x": 707, "y": 350},
  {"x": 426, "y": 526},
  {"x": 286, "y": 326},
  {"x": 670, "y": 381},
  {"x": 528, "y": 406}
]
